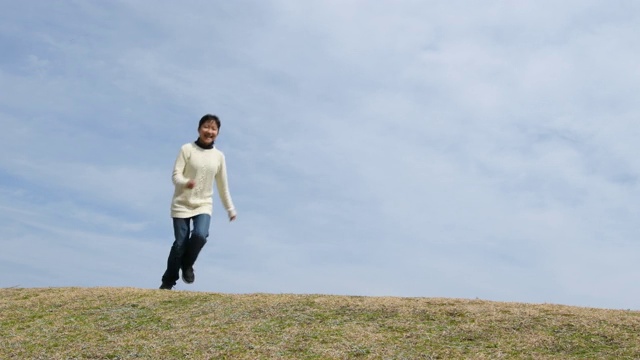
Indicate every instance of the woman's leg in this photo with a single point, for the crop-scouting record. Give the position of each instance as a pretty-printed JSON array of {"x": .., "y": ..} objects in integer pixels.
[
  {"x": 196, "y": 243},
  {"x": 181, "y": 233}
]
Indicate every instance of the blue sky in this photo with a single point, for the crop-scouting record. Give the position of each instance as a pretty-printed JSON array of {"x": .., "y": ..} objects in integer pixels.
[{"x": 454, "y": 149}]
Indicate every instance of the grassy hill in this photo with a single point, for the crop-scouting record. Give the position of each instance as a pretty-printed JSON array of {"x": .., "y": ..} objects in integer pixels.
[{"x": 124, "y": 323}]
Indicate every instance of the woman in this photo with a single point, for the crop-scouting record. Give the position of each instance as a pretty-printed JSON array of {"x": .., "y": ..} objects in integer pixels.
[{"x": 198, "y": 165}]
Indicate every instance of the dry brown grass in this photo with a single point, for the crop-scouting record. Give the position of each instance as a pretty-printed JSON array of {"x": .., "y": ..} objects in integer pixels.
[{"x": 124, "y": 323}]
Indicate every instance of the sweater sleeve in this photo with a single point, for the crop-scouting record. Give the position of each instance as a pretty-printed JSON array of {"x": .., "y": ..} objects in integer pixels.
[
  {"x": 179, "y": 166},
  {"x": 223, "y": 188}
]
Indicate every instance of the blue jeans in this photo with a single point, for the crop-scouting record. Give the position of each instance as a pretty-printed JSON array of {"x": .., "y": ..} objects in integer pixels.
[{"x": 185, "y": 248}]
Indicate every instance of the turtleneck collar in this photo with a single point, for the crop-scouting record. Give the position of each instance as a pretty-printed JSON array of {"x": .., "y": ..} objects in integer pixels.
[{"x": 204, "y": 146}]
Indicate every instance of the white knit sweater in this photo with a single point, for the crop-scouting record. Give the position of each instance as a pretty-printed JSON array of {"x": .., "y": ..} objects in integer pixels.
[{"x": 204, "y": 166}]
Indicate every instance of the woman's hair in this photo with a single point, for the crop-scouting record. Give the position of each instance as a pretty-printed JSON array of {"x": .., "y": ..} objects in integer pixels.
[{"x": 208, "y": 118}]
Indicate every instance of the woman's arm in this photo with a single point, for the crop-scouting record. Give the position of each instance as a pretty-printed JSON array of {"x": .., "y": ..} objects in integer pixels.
[
  {"x": 223, "y": 190},
  {"x": 178, "y": 177}
]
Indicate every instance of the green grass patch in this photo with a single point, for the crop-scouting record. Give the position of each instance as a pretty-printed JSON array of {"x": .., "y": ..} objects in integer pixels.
[{"x": 124, "y": 323}]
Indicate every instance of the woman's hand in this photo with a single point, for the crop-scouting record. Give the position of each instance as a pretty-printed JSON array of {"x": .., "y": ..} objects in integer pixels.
[
  {"x": 190, "y": 184},
  {"x": 231, "y": 218}
]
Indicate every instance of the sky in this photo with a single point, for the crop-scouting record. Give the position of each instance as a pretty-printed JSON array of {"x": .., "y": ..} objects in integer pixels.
[{"x": 444, "y": 149}]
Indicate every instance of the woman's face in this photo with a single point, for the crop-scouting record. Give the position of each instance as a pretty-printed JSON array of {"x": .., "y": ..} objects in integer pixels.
[{"x": 208, "y": 132}]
